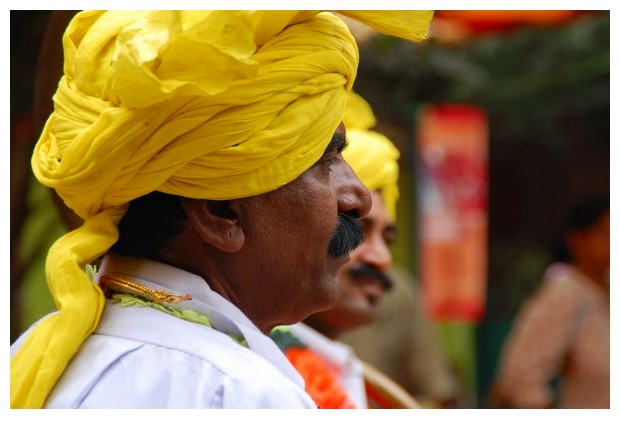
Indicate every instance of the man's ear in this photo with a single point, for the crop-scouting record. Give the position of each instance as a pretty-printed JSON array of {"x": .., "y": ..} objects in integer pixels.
[{"x": 216, "y": 222}]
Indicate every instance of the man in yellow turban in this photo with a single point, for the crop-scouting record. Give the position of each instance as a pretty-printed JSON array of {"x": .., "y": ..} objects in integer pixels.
[
  {"x": 333, "y": 373},
  {"x": 202, "y": 149}
]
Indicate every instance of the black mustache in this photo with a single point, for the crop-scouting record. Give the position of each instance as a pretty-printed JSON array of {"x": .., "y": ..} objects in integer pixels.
[
  {"x": 365, "y": 271},
  {"x": 347, "y": 236}
]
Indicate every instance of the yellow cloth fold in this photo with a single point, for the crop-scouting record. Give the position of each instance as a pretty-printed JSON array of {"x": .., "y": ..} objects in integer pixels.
[
  {"x": 373, "y": 157},
  {"x": 202, "y": 104},
  {"x": 405, "y": 24}
]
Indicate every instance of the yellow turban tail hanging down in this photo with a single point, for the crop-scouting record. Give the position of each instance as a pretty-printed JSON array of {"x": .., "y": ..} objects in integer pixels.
[
  {"x": 373, "y": 157},
  {"x": 201, "y": 104}
]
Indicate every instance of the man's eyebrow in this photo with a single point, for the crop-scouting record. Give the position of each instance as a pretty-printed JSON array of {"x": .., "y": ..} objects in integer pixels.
[{"x": 337, "y": 144}]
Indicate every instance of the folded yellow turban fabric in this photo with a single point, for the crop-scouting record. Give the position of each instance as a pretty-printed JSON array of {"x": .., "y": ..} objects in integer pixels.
[
  {"x": 373, "y": 157},
  {"x": 201, "y": 104}
]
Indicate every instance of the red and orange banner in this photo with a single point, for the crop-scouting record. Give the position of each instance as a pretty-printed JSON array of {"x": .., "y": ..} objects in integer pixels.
[{"x": 453, "y": 199}]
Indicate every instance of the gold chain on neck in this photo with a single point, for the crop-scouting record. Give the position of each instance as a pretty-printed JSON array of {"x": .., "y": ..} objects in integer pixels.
[{"x": 112, "y": 282}]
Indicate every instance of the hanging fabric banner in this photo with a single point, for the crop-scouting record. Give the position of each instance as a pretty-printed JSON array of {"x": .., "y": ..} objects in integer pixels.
[{"x": 452, "y": 148}]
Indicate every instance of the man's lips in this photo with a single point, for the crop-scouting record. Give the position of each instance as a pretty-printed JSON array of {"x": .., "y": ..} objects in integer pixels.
[{"x": 372, "y": 289}]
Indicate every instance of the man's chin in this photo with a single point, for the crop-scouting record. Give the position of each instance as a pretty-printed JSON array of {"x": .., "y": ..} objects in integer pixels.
[{"x": 363, "y": 317}]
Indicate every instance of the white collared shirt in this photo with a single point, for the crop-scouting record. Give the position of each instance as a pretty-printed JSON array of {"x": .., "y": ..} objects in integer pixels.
[{"x": 140, "y": 357}]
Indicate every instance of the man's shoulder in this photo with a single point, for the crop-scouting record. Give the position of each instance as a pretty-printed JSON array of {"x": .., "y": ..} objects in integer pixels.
[
  {"x": 157, "y": 331},
  {"x": 175, "y": 363}
]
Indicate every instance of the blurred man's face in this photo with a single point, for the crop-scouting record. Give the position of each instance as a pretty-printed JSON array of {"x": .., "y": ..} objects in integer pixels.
[
  {"x": 363, "y": 279},
  {"x": 592, "y": 245}
]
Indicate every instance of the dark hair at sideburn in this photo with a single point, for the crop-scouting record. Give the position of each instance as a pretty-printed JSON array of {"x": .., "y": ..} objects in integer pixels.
[{"x": 151, "y": 221}]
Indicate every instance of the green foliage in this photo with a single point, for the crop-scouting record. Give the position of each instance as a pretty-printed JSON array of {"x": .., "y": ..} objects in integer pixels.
[
  {"x": 530, "y": 80},
  {"x": 41, "y": 229},
  {"x": 546, "y": 91}
]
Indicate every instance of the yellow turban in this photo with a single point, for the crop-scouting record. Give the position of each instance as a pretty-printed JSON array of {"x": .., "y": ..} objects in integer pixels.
[
  {"x": 373, "y": 157},
  {"x": 201, "y": 104}
]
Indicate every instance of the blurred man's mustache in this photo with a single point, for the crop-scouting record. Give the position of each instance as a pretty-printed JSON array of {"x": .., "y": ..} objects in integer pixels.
[
  {"x": 347, "y": 236},
  {"x": 365, "y": 271}
]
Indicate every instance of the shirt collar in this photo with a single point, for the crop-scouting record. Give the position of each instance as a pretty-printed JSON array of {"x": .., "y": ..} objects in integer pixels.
[{"x": 224, "y": 315}]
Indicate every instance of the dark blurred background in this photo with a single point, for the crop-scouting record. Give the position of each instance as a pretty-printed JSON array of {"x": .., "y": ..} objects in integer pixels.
[{"x": 543, "y": 82}]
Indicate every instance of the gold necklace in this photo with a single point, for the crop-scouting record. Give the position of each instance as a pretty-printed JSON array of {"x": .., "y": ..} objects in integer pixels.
[{"x": 109, "y": 282}]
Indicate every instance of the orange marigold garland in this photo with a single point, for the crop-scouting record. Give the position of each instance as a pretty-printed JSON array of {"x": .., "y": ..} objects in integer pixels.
[{"x": 321, "y": 381}]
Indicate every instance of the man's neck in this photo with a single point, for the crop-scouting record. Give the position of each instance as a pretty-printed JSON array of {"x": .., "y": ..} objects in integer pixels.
[{"x": 328, "y": 331}]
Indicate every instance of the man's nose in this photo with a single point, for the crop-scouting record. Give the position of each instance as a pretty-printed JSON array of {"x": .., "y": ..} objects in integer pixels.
[{"x": 353, "y": 198}]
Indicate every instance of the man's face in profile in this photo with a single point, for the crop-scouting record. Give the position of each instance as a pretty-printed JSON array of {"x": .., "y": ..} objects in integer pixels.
[{"x": 301, "y": 234}]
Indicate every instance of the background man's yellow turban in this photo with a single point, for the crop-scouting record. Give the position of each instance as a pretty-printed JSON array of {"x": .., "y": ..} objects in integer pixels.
[
  {"x": 201, "y": 104},
  {"x": 373, "y": 157}
]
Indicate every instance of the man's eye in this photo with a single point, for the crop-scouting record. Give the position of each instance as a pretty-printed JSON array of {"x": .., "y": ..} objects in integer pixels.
[{"x": 389, "y": 239}]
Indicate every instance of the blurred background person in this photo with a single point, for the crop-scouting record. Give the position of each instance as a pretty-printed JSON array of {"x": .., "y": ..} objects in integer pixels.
[
  {"x": 404, "y": 344},
  {"x": 557, "y": 354}
]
